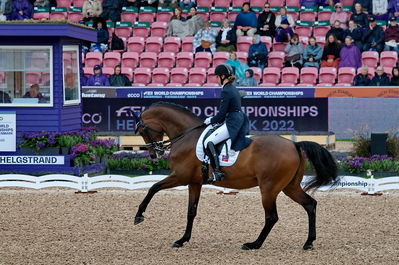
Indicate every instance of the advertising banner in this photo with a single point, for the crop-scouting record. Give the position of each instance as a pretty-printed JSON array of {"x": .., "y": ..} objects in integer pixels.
[
  {"x": 325, "y": 92},
  {"x": 8, "y": 131}
]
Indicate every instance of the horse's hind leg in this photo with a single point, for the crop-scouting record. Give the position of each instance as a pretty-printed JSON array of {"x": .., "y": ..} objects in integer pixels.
[{"x": 296, "y": 193}]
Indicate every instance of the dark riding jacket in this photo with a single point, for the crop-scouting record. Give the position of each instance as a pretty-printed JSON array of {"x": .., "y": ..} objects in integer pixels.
[{"x": 236, "y": 121}]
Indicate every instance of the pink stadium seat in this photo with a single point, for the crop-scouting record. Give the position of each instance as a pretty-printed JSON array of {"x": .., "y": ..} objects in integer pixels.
[
  {"x": 192, "y": 85},
  {"x": 184, "y": 59},
  {"x": 271, "y": 75},
  {"x": 145, "y": 16},
  {"x": 286, "y": 84},
  {"x": 292, "y": 3},
  {"x": 160, "y": 75},
  {"x": 304, "y": 85},
  {"x": 267, "y": 41},
  {"x": 155, "y": 85},
  {"x": 138, "y": 85},
  {"x": 257, "y": 73},
  {"x": 371, "y": 72},
  {"x": 308, "y": 16},
  {"x": 204, "y": 15},
  {"x": 279, "y": 46},
  {"x": 347, "y": 2},
  {"x": 219, "y": 58},
  {"x": 388, "y": 58},
  {"x": 88, "y": 71},
  {"x": 321, "y": 41},
  {"x": 58, "y": 15},
  {"x": 211, "y": 85},
  {"x": 172, "y": 44},
  {"x": 179, "y": 75},
  {"x": 139, "y": 31},
  {"x": 242, "y": 56},
  {"x": 204, "y": 2},
  {"x": 41, "y": 15},
  {"x": 327, "y": 75},
  {"x": 154, "y": 44},
  {"x": 187, "y": 44},
  {"x": 324, "y": 84},
  {"x": 238, "y": 2},
  {"x": 166, "y": 60},
  {"x": 346, "y": 74},
  {"x": 203, "y": 59},
  {"x": 243, "y": 43},
  {"x": 258, "y": 2},
  {"x": 130, "y": 59},
  {"x": 295, "y": 15},
  {"x": 2, "y": 77},
  {"x": 370, "y": 58},
  {"x": 222, "y": 3},
  {"x": 123, "y": 32},
  {"x": 129, "y": 16},
  {"x": 33, "y": 77},
  {"x": 75, "y": 17},
  {"x": 276, "y": 3},
  {"x": 128, "y": 72},
  {"x": 78, "y": 3},
  {"x": 387, "y": 70},
  {"x": 135, "y": 44},
  {"x": 231, "y": 16},
  {"x": 111, "y": 59},
  {"x": 108, "y": 71},
  {"x": 93, "y": 58},
  {"x": 276, "y": 59},
  {"x": 158, "y": 29},
  {"x": 321, "y": 31},
  {"x": 217, "y": 15},
  {"x": 309, "y": 75},
  {"x": 64, "y": 3},
  {"x": 197, "y": 75},
  {"x": 142, "y": 75},
  {"x": 267, "y": 85},
  {"x": 211, "y": 77},
  {"x": 303, "y": 31},
  {"x": 164, "y": 16},
  {"x": 290, "y": 75},
  {"x": 148, "y": 60},
  {"x": 343, "y": 84},
  {"x": 174, "y": 84},
  {"x": 324, "y": 16}
]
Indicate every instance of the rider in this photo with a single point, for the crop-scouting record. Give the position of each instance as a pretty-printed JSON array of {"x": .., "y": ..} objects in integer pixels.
[{"x": 235, "y": 122}]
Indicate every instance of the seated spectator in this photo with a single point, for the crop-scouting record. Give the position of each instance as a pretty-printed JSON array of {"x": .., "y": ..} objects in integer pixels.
[
  {"x": 362, "y": 79},
  {"x": 5, "y": 9},
  {"x": 373, "y": 37},
  {"x": 168, "y": 3},
  {"x": 284, "y": 24},
  {"x": 187, "y": 3},
  {"x": 226, "y": 39},
  {"x": 257, "y": 54},
  {"x": 180, "y": 27},
  {"x": 112, "y": 10},
  {"x": 248, "y": 80},
  {"x": 266, "y": 22},
  {"x": 151, "y": 3},
  {"x": 91, "y": 9},
  {"x": 294, "y": 51},
  {"x": 34, "y": 92},
  {"x": 359, "y": 17},
  {"x": 246, "y": 22},
  {"x": 119, "y": 79},
  {"x": 337, "y": 31},
  {"x": 366, "y": 5},
  {"x": 42, "y": 3},
  {"x": 98, "y": 78},
  {"x": 102, "y": 37},
  {"x": 192, "y": 13},
  {"x": 177, "y": 14},
  {"x": 350, "y": 54},
  {"x": 393, "y": 8},
  {"x": 355, "y": 33},
  {"x": 330, "y": 57},
  {"x": 395, "y": 77},
  {"x": 238, "y": 67},
  {"x": 21, "y": 10},
  {"x": 4, "y": 97},
  {"x": 380, "y": 78},
  {"x": 392, "y": 36},
  {"x": 205, "y": 39},
  {"x": 339, "y": 15},
  {"x": 380, "y": 9},
  {"x": 312, "y": 54}
]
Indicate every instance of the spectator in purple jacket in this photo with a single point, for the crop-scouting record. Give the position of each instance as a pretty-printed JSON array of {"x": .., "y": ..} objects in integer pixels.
[
  {"x": 98, "y": 79},
  {"x": 310, "y": 2},
  {"x": 393, "y": 8},
  {"x": 350, "y": 54},
  {"x": 21, "y": 10}
]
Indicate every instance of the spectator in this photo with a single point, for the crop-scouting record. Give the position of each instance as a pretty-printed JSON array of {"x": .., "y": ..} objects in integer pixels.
[
  {"x": 180, "y": 27},
  {"x": 359, "y": 16},
  {"x": 309, "y": 2},
  {"x": 42, "y": 3},
  {"x": 337, "y": 31},
  {"x": 205, "y": 39},
  {"x": 119, "y": 79},
  {"x": 257, "y": 54},
  {"x": 380, "y": 78},
  {"x": 34, "y": 92},
  {"x": 238, "y": 67},
  {"x": 187, "y": 3},
  {"x": 366, "y": 5},
  {"x": 102, "y": 37},
  {"x": 330, "y": 57},
  {"x": 112, "y": 10},
  {"x": 177, "y": 14},
  {"x": 98, "y": 78},
  {"x": 393, "y": 8},
  {"x": 168, "y": 3},
  {"x": 4, "y": 97},
  {"x": 373, "y": 37},
  {"x": 380, "y": 9},
  {"x": 5, "y": 9},
  {"x": 248, "y": 80},
  {"x": 395, "y": 76},
  {"x": 312, "y": 54},
  {"x": 246, "y": 22},
  {"x": 21, "y": 10},
  {"x": 355, "y": 33},
  {"x": 193, "y": 12},
  {"x": 91, "y": 9},
  {"x": 339, "y": 15},
  {"x": 151, "y": 3},
  {"x": 226, "y": 39},
  {"x": 362, "y": 79},
  {"x": 266, "y": 22},
  {"x": 284, "y": 24},
  {"x": 294, "y": 51},
  {"x": 392, "y": 36},
  {"x": 350, "y": 54}
]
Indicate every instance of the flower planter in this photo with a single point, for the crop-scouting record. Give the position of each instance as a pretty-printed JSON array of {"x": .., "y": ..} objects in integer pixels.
[
  {"x": 384, "y": 174},
  {"x": 27, "y": 151},
  {"x": 64, "y": 150},
  {"x": 49, "y": 151},
  {"x": 136, "y": 172}
]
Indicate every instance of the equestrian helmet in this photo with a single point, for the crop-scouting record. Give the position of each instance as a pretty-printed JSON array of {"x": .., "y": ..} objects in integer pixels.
[{"x": 224, "y": 69}]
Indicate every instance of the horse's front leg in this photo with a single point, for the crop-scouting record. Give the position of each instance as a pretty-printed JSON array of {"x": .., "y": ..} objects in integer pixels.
[
  {"x": 169, "y": 182},
  {"x": 194, "y": 194}
]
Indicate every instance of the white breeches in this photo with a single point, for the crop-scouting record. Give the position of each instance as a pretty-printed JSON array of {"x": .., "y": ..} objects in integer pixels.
[{"x": 217, "y": 136}]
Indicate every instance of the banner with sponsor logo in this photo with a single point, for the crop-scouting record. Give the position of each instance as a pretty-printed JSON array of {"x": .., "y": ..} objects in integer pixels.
[
  {"x": 267, "y": 115},
  {"x": 8, "y": 131},
  {"x": 325, "y": 92},
  {"x": 32, "y": 160}
]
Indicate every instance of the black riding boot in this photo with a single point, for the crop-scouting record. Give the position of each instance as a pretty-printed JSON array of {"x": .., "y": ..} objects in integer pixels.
[{"x": 213, "y": 157}]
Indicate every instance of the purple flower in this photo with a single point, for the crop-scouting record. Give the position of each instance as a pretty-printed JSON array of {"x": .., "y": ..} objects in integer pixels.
[
  {"x": 51, "y": 139},
  {"x": 40, "y": 145}
]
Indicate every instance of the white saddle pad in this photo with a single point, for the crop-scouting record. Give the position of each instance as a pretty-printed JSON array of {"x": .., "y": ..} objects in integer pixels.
[{"x": 224, "y": 162}]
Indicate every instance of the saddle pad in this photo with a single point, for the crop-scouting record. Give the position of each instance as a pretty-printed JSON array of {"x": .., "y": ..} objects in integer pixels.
[{"x": 223, "y": 155}]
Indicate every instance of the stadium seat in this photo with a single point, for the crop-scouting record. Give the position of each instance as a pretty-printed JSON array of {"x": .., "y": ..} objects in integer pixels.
[
  {"x": 164, "y": 14},
  {"x": 147, "y": 14},
  {"x": 388, "y": 71},
  {"x": 278, "y": 3},
  {"x": 370, "y": 58},
  {"x": 204, "y": 2},
  {"x": 203, "y": 11},
  {"x": 267, "y": 85},
  {"x": 371, "y": 72},
  {"x": 111, "y": 59},
  {"x": 286, "y": 84},
  {"x": 93, "y": 58},
  {"x": 148, "y": 60},
  {"x": 160, "y": 75},
  {"x": 219, "y": 58},
  {"x": 155, "y": 85},
  {"x": 141, "y": 29},
  {"x": 243, "y": 43},
  {"x": 231, "y": 16},
  {"x": 279, "y": 46},
  {"x": 304, "y": 85},
  {"x": 321, "y": 41},
  {"x": 327, "y": 75},
  {"x": 211, "y": 85},
  {"x": 129, "y": 14},
  {"x": 242, "y": 56},
  {"x": 211, "y": 77},
  {"x": 197, "y": 75},
  {"x": 32, "y": 77},
  {"x": 276, "y": 59},
  {"x": 75, "y": 17},
  {"x": 203, "y": 59},
  {"x": 135, "y": 44},
  {"x": 64, "y": 3},
  {"x": 347, "y": 2},
  {"x": 324, "y": 84},
  {"x": 138, "y": 85},
  {"x": 142, "y": 75},
  {"x": 187, "y": 44},
  {"x": 174, "y": 84},
  {"x": 44, "y": 79},
  {"x": 166, "y": 60},
  {"x": 309, "y": 75},
  {"x": 388, "y": 58},
  {"x": 290, "y": 75},
  {"x": 130, "y": 59},
  {"x": 184, "y": 59},
  {"x": 108, "y": 71},
  {"x": 192, "y": 85},
  {"x": 88, "y": 71},
  {"x": 128, "y": 72},
  {"x": 154, "y": 44},
  {"x": 271, "y": 75},
  {"x": 179, "y": 75},
  {"x": 172, "y": 44},
  {"x": 78, "y": 3},
  {"x": 123, "y": 29},
  {"x": 267, "y": 41},
  {"x": 343, "y": 84},
  {"x": 222, "y": 3},
  {"x": 324, "y": 15},
  {"x": 346, "y": 74},
  {"x": 303, "y": 31},
  {"x": 218, "y": 13},
  {"x": 257, "y": 73},
  {"x": 58, "y": 13},
  {"x": 41, "y": 13},
  {"x": 321, "y": 31},
  {"x": 238, "y": 2},
  {"x": 292, "y": 3},
  {"x": 307, "y": 16},
  {"x": 158, "y": 29}
]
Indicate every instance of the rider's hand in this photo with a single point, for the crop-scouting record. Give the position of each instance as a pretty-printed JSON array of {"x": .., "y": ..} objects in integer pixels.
[{"x": 208, "y": 120}]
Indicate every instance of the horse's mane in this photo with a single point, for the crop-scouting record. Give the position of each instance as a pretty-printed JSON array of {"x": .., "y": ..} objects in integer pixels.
[{"x": 177, "y": 107}]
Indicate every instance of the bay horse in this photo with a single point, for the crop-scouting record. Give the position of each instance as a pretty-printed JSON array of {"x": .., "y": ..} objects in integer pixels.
[{"x": 271, "y": 162}]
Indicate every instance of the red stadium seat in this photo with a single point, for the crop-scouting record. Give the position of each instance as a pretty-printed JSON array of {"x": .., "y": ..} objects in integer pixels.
[
  {"x": 184, "y": 59},
  {"x": 279, "y": 46},
  {"x": 238, "y": 2},
  {"x": 75, "y": 17},
  {"x": 129, "y": 15},
  {"x": 164, "y": 15},
  {"x": 343, "y": 84},
  {"x": 166, "y": 60},
  {"x": 179, "y": 75},
  {"x": 203, "y": 59},
  {"x": 204, "y": 2},
  {"x": 111, "y": 59},
  {"x": 307, "y": 16},
  {"x": 231, "y": 16},
  {"x": 267, "y": 41},
  {"x": 303, "y": 31},
  {"x": 197, "y": 75},
  {"x": 141, "y": 29},
  {"x": 370, "y": 58},
  {"x": 222, "y": 3},
  {"x": 271, "y": 75},
  {"x": 309, "y": 75},
  {"x": 327, "y": 75},
  {"x": 324, "y": 15},
  {"x": 64, "y": 3},
  {"x": 93, "y": 58},
  {"x": 187, "y": 44},
  {"x": 147, "y": 14},
  {"x": 321, "y": 41},
  {"x": 276, "y": 59},
  {"x": 78, "y": 3},
  {"x": 388, "y": 59},
  {"x": 160, "y": 75},
  {"x": 290, "y": 75},
  {"x": 219, "y": 58},
  {"x": 148, "y": 60},
  {"x": 276, "y": 3},
  {"x": 371, "y": 72},
  {"x": 242, "y": 56},
  {"x": 58, "y": 13},
  {"x": 304, "y": 85},
  {"x": 258, "y": 2},
  {"x": 347, "y": 2},
  {"x": 88, "y": 71},
  {"x": 130, "y": 59},
  {"x": 346, "y": 74},
  {"x": 203, "y": 12},
  {"x": 135, "y": 44},
  {"x": 192, "y": 85},
  {"x": 108, "y": 71},
  {"x": 218, "y": 13},
  {"x": 174, "y": 84},
  {"x": 123, "y": 29},
  {"x": 154, "y": 44},
  {"x": 243, "y": 43},
  {"x": 286, "y": 84},
  {"x": 292, "y": 3},
  {"x": 142, "y": 75},
  {"x": 172, "y": 44},
  {"x": 128, "y": 72},
  {"x": 324, "y": 84},
  {"x": 257, "y": 73},
  {"x": 321, "y": 31},
  {"x": 211, "y": 77},
  {"x": 45, "y": 78},
  {"x": 158, "y": 29}
]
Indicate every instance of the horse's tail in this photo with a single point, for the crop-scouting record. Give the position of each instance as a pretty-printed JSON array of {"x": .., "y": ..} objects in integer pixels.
[{"x": 323, "y": 163}]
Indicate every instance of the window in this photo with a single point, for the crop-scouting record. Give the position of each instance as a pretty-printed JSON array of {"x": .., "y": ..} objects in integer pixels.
[
  {"x": 70, "y": 55},
  {"x": 26, "y": 76}
]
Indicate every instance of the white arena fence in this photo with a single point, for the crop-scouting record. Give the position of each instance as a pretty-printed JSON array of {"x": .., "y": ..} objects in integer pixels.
[{"x": 86, "y": 183}]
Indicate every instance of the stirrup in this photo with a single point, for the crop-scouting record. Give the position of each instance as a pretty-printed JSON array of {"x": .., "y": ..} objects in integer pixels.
[{"x": 217, "y": 175}]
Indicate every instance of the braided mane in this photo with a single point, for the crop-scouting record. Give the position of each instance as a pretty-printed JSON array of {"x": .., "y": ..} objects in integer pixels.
[{"x": 177, "y": 107}]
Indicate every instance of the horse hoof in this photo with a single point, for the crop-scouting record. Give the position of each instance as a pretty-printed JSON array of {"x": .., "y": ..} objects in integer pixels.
[
  {"x": 138, "y": 219},
  {"x": 308, "y": 247},
  {"x": 176, "y": 245}
]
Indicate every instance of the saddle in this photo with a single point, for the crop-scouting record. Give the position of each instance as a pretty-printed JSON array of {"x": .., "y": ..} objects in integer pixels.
[{"x": 219, "y": 147}]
